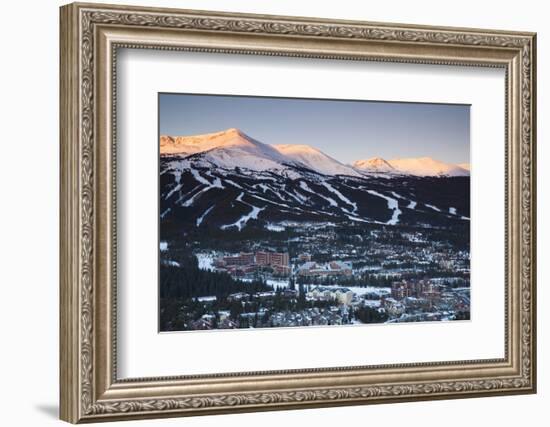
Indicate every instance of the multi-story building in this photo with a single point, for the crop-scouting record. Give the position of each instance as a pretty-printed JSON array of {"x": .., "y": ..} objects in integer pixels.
[
  {"x": 249, "y": 268},
  {"x": 247, "y": 258},
  {"x": 416, "y": 289},
  {"x": 342, "y": 295},
  {"x": 279, "y": 258},
  {"x": 244, "y": 258},
  {"x": 340, "y": 266},
  {"x": 262, "y": 258},
  {"x": 248, "y": 262},
  {"x": 233, "y": 260},
  {"x": 272, "y": 258},
  {"x": 403, "y": 289},
  {"x": 333, "y": 268}
]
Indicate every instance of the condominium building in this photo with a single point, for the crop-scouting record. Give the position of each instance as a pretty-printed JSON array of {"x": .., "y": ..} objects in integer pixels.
[{"x": 272, "y": 258}]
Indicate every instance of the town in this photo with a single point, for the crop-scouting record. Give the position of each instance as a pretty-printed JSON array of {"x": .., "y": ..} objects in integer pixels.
[{"x": 322, "y": 276}]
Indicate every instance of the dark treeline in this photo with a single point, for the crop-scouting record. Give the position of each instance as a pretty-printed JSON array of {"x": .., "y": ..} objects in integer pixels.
[
  {"x": 188, "y": 281},
  {"x": 370, "y": 315}
]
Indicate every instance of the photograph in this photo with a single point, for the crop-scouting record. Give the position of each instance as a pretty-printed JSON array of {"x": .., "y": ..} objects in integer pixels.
[{"x": 280, "y": 212}]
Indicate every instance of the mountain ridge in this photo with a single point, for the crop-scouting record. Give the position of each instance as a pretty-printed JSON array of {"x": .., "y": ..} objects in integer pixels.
[
  {"x": 229, "y": 181},
  {"x": 315, "y": 159},
  {"x": 233, "y": 148}
]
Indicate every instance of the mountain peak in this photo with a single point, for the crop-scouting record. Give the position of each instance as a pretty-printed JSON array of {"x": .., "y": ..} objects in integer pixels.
[
  {"x": 374, "y": 164},
  {"x": 233, "y": 132},
  {"x": 193, "y": 144}
]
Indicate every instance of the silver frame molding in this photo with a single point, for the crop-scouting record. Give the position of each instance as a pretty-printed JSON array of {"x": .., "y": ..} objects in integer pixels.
[{"x": 90, "y": 37}]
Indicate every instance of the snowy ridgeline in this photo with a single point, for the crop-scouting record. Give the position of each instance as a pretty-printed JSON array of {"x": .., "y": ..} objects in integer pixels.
[
  {"x": 234, "y": 181},
  {"x": 232, "y": 148}
]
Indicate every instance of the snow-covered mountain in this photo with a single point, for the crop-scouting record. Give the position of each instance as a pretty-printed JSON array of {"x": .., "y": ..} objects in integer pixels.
[
  {"x": 374, "y": 164},
  {"x": 228, "y": 149},
  {"x": 232, "y": 148},
  {"x": 199, "y": 143},
  {"x": 422, "y": 166},
  {"x": 426, "y": 166},
  {"x": 196, "y": 195},
  {"x": 314, "y": 159},
  {"x": 229, "y": 181},
  {"x": 465, "y": 166}
]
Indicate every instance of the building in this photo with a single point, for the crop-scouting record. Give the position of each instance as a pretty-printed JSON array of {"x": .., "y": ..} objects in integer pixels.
[
  {"x": 272, "y": 258},
  {"x": 243, "y": 258},
  {"x": 232, "y": 260},
  {"x": 333, "y": 268},
  {"x": 238, "y": 296},
  {"x": 447, "y": 264},
  {"x": 281, "y": 270},
  {"x": 279, "y": 258},
  {"x": 341, "y": 295},
  {"x": 307, "y": 268},
  {"x": 247, "y": 258},
  {"x": 207, "y": 299},
  {"x": 343, "y": 267},
  {"x": 250, "y": 258},
  {"x": 417, "y": 289},
  {"x": 224, "y": 314},
  {"x": 304, "y": 257},
  {"x": 262, "y": 258},
  {"x": 403, "y": 289}
]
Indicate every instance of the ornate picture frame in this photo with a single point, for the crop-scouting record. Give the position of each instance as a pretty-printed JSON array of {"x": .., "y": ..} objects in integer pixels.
[{"x": 90, "y": 37}]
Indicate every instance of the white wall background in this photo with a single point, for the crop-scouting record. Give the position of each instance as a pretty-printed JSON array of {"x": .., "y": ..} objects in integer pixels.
[{"x": 29, "y": 170}]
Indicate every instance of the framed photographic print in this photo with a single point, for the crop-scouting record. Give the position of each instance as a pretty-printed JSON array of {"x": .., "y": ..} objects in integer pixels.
[{"x": 265, "y": 212}]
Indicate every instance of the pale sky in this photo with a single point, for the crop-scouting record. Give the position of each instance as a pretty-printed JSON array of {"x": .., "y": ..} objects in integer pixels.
[{"x": 345, "y": 130}]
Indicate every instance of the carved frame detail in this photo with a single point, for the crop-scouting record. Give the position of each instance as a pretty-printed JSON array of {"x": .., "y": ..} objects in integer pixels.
[{"x": 80, "y": 400}]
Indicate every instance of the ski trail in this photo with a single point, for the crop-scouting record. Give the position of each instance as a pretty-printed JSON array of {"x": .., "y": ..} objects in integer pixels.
[
  {"x": 340, "y": 195},
  {"x": 241, "y": 222},
  {"x": 392, "y": 204},
  {"x": 432, "y": 207},
  {"x": 206, "y": 212}
]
